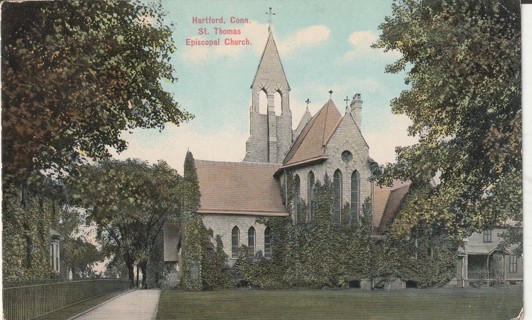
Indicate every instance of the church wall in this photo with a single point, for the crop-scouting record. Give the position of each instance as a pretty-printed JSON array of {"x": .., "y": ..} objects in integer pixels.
[
  {"x": 223, "y": 225},
  {"x": 171, "y": 239},
  {"x": 257, "y": 144},
  {"x": 348, "y": 137},
  {"x": 284, "y": 136},
  {"x": 344, "y": 138}
]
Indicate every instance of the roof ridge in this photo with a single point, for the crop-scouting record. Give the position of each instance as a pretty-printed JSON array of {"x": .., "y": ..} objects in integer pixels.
[{"x": 248, "y": 163}]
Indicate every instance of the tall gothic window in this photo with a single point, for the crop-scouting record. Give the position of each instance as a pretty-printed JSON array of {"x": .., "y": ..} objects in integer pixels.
[
  {"x": 251, "y": 241},
  {"x": 297, "y": 191},
  {"x": 277, "y": 103},
  {"x": 235, "y": 239},
  {"x": 268, "y": 242},
  {"x": 355, "y": 196},
  {"x": 310, "y": 191},
  {"x": 337, "y": 187}
]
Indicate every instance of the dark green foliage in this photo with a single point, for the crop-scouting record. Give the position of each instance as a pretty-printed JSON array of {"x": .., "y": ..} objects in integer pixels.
[
  {"x": 27, "y": 216},
  {"x": 129, "y": 202},
  {"x": 462, "y": 59},
  {"x": 156, "y": 269},
  {"x": 77, "y": 253},
  {"x": 428, "y": 259},
  {"x": 254, "y": 271},
  {"x": 323, "y": 253},
  {"x": 215, "y": 272},
  {"x": 75, "y": 74},
  {"x": 195, "y": 236}
]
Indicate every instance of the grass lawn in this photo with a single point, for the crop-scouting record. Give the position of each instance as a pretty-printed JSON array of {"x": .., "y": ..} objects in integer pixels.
[
  {"x": 73, "y": 310},
  {"x": 488, "y": 303}
]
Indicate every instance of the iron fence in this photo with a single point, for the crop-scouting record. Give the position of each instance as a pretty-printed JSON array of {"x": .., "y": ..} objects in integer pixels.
[{"x": 32, "y": 301}]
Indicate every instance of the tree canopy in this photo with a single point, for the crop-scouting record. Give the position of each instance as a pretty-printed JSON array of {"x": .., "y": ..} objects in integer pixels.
[
  {"x": 129, "y": 201},
  {"x": 75, "y": 75},
  {"x": 463, "y": 64}
]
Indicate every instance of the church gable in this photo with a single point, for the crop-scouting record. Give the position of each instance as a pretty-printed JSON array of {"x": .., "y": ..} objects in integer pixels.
[
  {"x": 310, "y": 143},
  {"x": 347, "y": 136}
]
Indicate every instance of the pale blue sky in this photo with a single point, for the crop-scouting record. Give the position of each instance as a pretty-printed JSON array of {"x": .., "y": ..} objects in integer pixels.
[{"x": 323, "y": 46}]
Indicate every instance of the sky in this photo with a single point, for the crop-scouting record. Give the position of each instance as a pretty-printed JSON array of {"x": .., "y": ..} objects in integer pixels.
[{"x": 323, "y": 46}]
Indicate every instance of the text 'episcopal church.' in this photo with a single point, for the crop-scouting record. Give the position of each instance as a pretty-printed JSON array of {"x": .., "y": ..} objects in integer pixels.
[{"x": 234, "y": 195}]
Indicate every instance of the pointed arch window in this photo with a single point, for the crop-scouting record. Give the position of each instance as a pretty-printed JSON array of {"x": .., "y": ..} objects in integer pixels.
[
  {"x": 297, "y": 196},
  {"x": 310, "y": 191},
  {"x": 355, "y": 196},
  {"x": 251, "y": 241},
  {"x": 277, "y": 103},
  {"x": 235, "y": 242},
  {"x": 263, "y": 102},
  {"x": 268, "y": 242},
  {"x": 337, "y": 188}
]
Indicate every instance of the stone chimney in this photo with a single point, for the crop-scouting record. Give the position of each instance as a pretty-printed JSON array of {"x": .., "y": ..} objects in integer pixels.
[{"x": 356, "y": 109}]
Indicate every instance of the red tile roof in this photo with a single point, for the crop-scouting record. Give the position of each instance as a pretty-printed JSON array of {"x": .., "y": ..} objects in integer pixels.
[
  {"x": 310, "y": 143},
  {"x": 386, "y": 203},
  {"x": 243, "y": 188}
]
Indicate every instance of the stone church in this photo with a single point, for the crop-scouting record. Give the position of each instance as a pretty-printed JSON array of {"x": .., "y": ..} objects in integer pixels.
[{"x": 234, "y": 195}]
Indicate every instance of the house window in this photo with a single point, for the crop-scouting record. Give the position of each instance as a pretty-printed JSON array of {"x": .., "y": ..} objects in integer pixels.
[
  {"x": 310, "y": 191},
  {"x": 513, "y": 263},
  {"x": 235, "y": 239},
  {"x": 251, "y": 241},
  {"x": 486, "y": 235},
  {"x": 355, "y": 196},
  {"x": 337, "y": 187},
  {"x": 268, "y": 242},
  {"x": 297, "y": 191}
]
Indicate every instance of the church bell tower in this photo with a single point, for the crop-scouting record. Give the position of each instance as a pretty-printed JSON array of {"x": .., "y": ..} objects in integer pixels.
[{"x": 270, "y": 133}]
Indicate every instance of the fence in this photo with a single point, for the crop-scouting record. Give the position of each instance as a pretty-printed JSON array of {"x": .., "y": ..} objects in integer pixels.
[{"x": 31, "y": 301}]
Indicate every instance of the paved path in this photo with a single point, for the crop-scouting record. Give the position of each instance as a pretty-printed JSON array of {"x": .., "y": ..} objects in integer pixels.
[{"x": 134, "y": 305}]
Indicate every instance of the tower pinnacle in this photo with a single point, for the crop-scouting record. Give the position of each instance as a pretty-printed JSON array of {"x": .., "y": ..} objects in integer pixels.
[{"x": 270, "y": 13}]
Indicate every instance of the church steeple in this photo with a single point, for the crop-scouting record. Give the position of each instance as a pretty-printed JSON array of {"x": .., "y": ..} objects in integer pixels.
[
  {"x": 270, "y": 72},
  {"x": 270, "y": 134}
]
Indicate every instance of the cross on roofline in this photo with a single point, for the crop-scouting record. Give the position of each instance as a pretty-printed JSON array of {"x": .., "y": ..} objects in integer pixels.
[
  {"x": 346, "y": 101},
  {"x": 330, "y": 93},
  {"x": 270, "y": 14},
  {"x": 308, "y": 101}
]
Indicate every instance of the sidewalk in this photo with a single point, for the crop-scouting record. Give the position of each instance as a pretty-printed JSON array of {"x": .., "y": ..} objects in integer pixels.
[{"x": 135, "y": 305}]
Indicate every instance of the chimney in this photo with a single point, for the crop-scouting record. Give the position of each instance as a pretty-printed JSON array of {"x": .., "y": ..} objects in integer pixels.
[{"x": 356, "y": 109}]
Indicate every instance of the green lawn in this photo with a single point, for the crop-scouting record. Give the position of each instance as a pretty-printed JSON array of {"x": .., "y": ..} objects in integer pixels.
[{"x": 489, "y": 303}]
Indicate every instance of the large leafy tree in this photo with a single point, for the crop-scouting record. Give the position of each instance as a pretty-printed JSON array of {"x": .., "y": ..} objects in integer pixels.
[
  {"x": 75, "y": 75},
  {"x": 129, "y": 201},
  {"x": 78, "y": 254},
  {"x": 462, "y": 60}
]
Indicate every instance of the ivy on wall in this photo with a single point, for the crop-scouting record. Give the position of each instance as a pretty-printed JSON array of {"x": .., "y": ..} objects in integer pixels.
[
  {"x": 318, "y": 253},
  {"x": 27, "y": 217},
  {"x": 327, "y": 253}
]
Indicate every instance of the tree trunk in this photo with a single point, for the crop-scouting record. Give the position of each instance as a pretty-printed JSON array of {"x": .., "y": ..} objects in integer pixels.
[
  {"x": 137, "y": 275},
  {"x": 131, "y": 273},
  {"x": 144, "y": 278}
]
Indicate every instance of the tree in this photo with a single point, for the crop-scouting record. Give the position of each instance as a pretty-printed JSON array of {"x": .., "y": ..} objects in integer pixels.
[
  {"x": 78, "y": 254},
  {"x": 194, "y": 235},
  {"x": 75, "y": 75},
  {"x": 129, "y": 201},
  {"x": 462, "y": 59}
]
